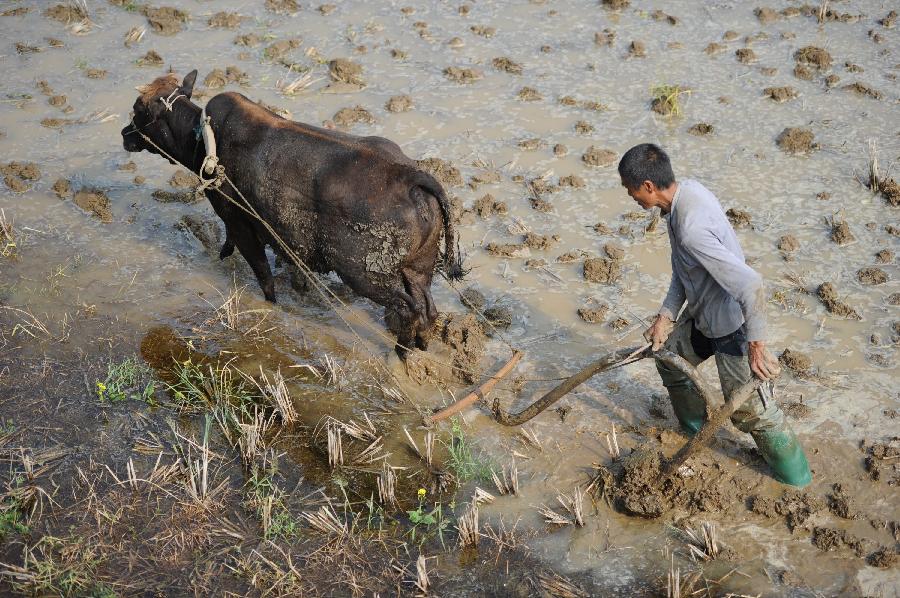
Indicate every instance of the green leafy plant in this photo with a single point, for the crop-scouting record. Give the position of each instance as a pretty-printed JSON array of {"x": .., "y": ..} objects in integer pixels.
[
  {"x": 129, "y": 379},
  {"x": 426, "y": 523}
]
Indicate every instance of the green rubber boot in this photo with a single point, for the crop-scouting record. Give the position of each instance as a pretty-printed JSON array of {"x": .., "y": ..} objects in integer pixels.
[
  {"x": 689, "y": 408},
  {"x": 782, "y": 451},
  {"x": 688, "y": 405}
]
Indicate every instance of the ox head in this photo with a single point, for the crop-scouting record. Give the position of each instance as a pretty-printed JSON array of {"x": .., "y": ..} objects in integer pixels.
[{"x": 156, "y": 115}]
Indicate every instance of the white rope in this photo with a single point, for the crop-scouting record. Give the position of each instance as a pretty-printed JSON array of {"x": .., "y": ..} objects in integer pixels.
[
  {"x": 210, "y": 163},
  {"x": 170, "y": 101}
]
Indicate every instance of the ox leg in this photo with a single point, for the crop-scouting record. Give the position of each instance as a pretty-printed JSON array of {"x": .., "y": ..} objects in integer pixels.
[
  {"x": 418, "y": 286},
  {"x": 227, "y": 247},
  {"x": 254, "y": 251}
]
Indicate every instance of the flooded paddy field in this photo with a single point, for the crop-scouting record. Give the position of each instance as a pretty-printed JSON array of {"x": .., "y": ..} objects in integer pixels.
[{"x": 165, "y": 431}]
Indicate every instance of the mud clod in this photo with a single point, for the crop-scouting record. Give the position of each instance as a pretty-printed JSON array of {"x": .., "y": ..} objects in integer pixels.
[
  {"x": 797, "y": 362},
  {"x": 614, "y": 251},
  {"x": 225, "y": 20},
  {"x": 738, "y": 218},
  {"x": 463, "y": 334},
  {"x": 637, "y": 490},
  {"x": 473, "y": 298},
  {"x": 885, "y": 256},
  {"x": 184, "y": 179},
  {"x": 401, "y": 103},
  {"x": 507, "y": 65},
  {"x": 616, "y": 4},
  {"x": 841, "y": 504},
  {"x": 637, "y": 49},
  {"x": 593, "y": 315},
  {"x": 529, "y": 94},
  {"x": 841, "y": 234},
  {"x": 794, "y": 505},
  {"x": 864, "y": 90},
  {"x": 603, "y": 270},
  {"x": 701, "y": 129},
  {"x": 541, "y": 242},
  {"x": 605, "y": 38},
  {"x": 463, "y": 75},
  {"x": 872, "y": 276},
  {"x": 781, "y": 94},
  {"x": 282, "y": 6},
  {"x": 511, "y": 250},
  {"x": 62, "y": 188},
  {"x": 788, "y": 243},
  {"x": 883, "y": 558},
  {"x": 829, "y": 296},
  {"x": 442, "y": 170},
  {"x": 572, "y": 180},
  {"x": 766, "y": 15},
  {"x": 745, "y": 55},
  {"x": 560, "y": 150},
  {"x": 343, "y": 70},
  {"x": 347, "y": 117},
  {"x": 151, "y": 58},
  {"x": 94, "y": 201},
  {"x": 814, "y": 57},
  {"x": 796, "y": 140},
  {"x": 595, "y": 156},
  {"x": 165, "y": 20},
  {"x": 486, "y": 206}
]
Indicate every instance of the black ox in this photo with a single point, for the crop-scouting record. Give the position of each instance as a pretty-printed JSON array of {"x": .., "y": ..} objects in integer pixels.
[{"x": 353, "y": 205}]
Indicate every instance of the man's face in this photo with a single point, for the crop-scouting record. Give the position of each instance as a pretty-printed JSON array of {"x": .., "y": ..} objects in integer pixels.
[{"x": 643, "y": 195}]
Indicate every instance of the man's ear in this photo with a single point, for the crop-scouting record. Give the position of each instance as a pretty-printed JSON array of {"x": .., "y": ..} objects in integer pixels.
[
  {"x": 648, "y": 186},
  {"x": 187, "y": 86}
]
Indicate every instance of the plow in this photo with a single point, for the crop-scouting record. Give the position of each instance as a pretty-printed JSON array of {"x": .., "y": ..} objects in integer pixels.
[{"x": 716, "y": 416}]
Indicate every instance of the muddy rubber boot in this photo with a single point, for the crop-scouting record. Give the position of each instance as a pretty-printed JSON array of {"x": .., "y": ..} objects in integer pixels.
[
  {"x": 782, "y": 451},
  {"x": 689, "y": 408}
]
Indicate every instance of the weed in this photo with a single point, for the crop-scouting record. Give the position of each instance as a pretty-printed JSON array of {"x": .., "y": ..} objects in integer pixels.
[
  {"x": 266, "y": 499},
  {"x": 12, "y": 511},
  {"x": 7, "y": 235},
  {"x": 462, "y": 459},
  {"x": 129, "y": 379},
  {"x": 58, "y": 566},
  {"x": 665, "y": 99},
  {"x": 428, "y": 523}
]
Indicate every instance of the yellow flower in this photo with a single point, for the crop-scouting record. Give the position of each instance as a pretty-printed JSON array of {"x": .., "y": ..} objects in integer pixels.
[
  {"x": 101, "y": 386},
  {"x": 421, "y": 492}
]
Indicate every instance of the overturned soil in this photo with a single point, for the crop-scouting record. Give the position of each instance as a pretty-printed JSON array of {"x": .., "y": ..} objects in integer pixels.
[
  {"x": 95, "y": 202},
  {"x": 796, "y": 140}
]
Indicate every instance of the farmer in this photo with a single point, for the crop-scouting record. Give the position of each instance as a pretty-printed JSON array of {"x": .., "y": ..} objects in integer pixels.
[{"x": 725, "y": 314}]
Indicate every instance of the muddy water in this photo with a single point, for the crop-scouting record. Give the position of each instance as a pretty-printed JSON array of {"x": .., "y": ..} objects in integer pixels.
[{"x": 143, "y": 271}]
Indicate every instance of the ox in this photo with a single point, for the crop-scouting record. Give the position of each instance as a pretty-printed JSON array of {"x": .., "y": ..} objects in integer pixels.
[{"x": 353, "y": 205}]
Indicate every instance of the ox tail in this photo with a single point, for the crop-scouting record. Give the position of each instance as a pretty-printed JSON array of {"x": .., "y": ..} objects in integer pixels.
[{"x": 453, "y": 267}]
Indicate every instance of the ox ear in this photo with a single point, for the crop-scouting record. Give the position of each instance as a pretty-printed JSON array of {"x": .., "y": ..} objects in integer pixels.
[{"x": 187, "y": 86}]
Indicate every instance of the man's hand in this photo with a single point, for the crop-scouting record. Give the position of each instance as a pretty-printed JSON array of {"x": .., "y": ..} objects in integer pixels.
[
  {"x": 659, "y": 331},
  {"x": 763, "y": 363}
]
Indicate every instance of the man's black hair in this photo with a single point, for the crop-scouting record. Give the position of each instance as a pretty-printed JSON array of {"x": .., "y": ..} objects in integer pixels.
[{"x": 646, "y": 162}]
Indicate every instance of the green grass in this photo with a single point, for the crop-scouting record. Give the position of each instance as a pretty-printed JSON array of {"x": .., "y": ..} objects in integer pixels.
[
  {"x": 131, "y": 378},
  {"x": 464, "y": 460},
  {"x": 267, "y": 501},
  {"x": 12, "y": 512},
  {"x": 61, "y": 567},
  {"x": 665, "y": 99}
]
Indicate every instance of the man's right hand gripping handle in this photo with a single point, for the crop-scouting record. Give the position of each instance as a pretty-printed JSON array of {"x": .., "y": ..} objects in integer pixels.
[{"x": 659, "y": 331}]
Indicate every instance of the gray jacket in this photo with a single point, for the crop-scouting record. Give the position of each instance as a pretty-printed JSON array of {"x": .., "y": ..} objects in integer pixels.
[{"x": 708, "y": 268}]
